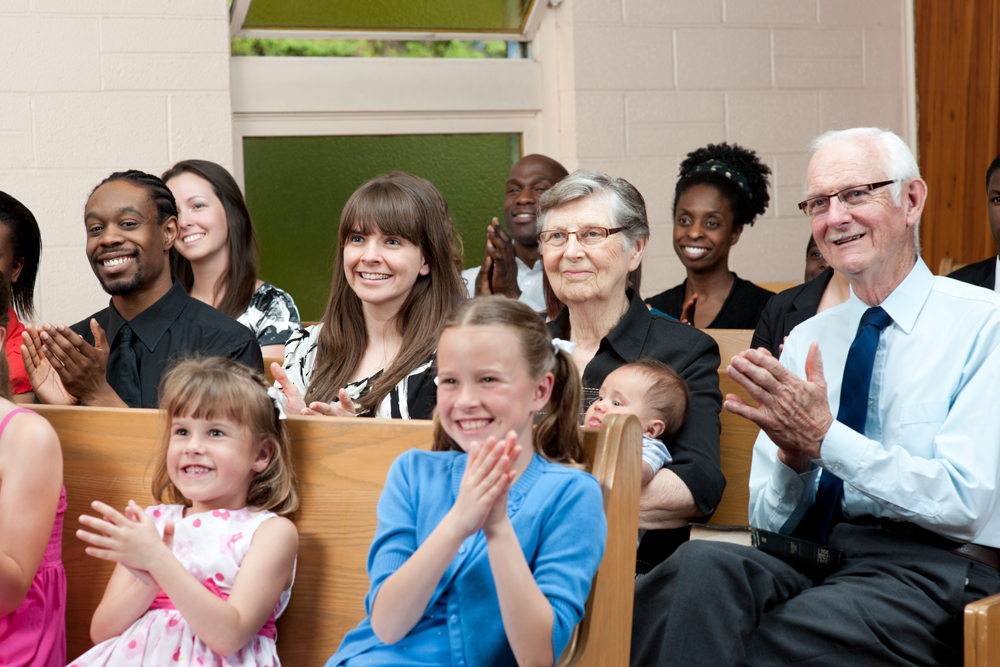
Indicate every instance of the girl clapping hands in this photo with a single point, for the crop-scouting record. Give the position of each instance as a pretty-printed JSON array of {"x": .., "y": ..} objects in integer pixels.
[
  {"x": 486, "y": 547},
  {"x": 203, "y": 578}
]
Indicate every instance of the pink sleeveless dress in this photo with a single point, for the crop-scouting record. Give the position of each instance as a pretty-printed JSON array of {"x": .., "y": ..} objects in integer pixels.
[
  {"x": 211, "y": 546},
  {"x": 34, "y": 634}
]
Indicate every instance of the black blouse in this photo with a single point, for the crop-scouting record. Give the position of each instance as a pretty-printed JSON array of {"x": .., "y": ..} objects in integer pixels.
[
  {"x": 693, "y": 354},
  {"x": 740, "y": 310}
]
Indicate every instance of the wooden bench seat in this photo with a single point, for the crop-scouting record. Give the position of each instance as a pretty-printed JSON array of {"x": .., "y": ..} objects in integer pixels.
[{"x": 341, "y": 465}]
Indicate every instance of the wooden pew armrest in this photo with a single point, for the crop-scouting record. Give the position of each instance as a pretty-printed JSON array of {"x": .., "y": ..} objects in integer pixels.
[{"x": 982, "y": 632}]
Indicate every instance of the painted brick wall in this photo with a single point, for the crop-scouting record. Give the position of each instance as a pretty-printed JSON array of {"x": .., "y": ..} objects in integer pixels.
[
  {"x": 89, "y": 87},
  {"x": 649, "y": 80}
]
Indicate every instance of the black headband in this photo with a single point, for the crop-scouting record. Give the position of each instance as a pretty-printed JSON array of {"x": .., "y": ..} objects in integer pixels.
[{"x": 723, "y": 169}]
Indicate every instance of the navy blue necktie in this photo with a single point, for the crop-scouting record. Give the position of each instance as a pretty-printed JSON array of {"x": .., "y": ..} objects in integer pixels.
[
  {"x": 128, "y": 379},
  {"x": 853, "y": 412}
]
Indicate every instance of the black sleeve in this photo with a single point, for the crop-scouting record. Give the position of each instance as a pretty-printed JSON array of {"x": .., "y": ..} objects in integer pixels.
[
  {"x": 764, "y": 335},
  {"x": 422, "y": 394},
  {"x": 695, "y": 448},
  {"x": 249, "y": 354},
  {"x": 670, "y": 301}
]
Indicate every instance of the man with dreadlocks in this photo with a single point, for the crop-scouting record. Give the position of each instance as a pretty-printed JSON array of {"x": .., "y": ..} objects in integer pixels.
[{"x": 116, "y": 357}]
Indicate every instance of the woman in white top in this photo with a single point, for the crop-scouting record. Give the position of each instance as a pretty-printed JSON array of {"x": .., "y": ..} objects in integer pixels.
[{"x": 395, "y": 281}]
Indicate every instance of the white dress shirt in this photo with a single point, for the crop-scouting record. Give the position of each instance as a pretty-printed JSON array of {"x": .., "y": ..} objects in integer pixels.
[{"x": 930, "y": 453}]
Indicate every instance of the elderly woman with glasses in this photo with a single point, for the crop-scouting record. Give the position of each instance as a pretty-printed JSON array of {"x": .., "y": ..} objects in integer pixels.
[{"x": 593, "y": 235}]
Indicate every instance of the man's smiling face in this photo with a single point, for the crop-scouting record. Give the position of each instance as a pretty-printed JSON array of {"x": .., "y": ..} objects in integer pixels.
[
  {"x": 863, "y": 240},
  {"x": 125, "y": 243},
  {"x": 527, "y": 182}
]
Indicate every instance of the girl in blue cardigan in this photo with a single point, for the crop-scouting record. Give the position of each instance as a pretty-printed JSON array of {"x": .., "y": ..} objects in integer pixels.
[{"x": 486, "y": 546}]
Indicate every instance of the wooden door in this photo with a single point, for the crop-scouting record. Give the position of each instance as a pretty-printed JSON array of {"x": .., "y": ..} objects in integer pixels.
[{"x": 958, "y": 88}]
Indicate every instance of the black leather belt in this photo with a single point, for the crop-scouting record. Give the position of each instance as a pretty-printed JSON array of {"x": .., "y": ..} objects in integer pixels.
[{"x": 980, "y": 554}]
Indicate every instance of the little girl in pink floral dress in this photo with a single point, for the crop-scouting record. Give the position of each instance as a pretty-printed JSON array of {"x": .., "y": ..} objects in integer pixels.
[{"x": 201, "y": 581}]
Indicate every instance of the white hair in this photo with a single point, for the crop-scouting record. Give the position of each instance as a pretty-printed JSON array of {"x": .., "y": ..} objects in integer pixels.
[
  {"x": 626, "y": 206},
  {"x": 897, "y": 159}
]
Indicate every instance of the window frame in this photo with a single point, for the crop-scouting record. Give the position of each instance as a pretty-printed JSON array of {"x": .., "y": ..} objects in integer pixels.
[{"x": 239, "y": 8}]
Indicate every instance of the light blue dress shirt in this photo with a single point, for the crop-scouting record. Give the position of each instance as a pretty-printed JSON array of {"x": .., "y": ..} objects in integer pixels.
[{"x": 930, "y": 453}]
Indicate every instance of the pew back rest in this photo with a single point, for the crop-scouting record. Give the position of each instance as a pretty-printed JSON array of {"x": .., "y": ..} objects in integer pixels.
[
  {"x": 342, "y": 466},
  {"x": 738, "y": 434}
]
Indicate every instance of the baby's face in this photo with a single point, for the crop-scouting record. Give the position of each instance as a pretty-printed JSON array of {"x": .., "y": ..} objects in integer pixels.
[{"x": 623, "y": 393}]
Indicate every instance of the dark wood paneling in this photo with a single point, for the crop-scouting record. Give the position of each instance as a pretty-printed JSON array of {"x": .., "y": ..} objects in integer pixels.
[{"x": 958, "y": 88}]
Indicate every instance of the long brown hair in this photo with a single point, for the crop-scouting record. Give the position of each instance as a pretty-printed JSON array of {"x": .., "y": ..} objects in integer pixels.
[
  {"x": 410, "y": 207},
  {"x": 557, "y": 436},
  {"x": 239, "y": 282},
  {"x": 212, "y": 387}
]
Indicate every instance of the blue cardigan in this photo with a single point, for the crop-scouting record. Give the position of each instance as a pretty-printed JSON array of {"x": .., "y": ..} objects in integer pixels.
[{"x": 558, "y": 515}]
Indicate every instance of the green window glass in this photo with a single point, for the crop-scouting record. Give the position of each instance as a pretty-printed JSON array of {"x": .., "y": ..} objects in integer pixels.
[
  {"x": 296, "y": 188},
  {"x": 496, "y": 16}
]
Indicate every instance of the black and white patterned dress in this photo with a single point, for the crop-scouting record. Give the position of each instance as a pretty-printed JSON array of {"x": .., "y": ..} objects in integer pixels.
[
  {"x": 413, "y": 398},
  {"x": 271, "y": 315}
]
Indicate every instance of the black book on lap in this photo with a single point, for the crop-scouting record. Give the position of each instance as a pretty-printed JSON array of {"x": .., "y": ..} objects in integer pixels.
[{"x": 794, "y": 551}]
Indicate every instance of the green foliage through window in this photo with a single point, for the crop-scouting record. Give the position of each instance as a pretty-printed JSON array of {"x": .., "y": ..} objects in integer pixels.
[{"x": 362, "y": 48}]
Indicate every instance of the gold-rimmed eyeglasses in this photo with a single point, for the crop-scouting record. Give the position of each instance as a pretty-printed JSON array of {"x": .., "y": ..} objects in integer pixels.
[
  {"x": 857, "y": 195},
  {"x": 589, "y": 236}
]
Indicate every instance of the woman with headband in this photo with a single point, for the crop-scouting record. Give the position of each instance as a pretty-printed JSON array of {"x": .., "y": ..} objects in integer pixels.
[{"x": 722, "y": 187}]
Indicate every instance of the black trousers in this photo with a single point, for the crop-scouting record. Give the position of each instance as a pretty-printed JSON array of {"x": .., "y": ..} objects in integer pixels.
[{"x": 894, "y": 601}]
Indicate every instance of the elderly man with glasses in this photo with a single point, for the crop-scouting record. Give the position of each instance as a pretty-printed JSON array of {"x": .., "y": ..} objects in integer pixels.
[{"x": 878, "y": 437}]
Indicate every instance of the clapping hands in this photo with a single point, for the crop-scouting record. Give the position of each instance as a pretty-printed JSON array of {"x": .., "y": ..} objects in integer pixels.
[
  {"x": 482, "y": 497},
  {"x": 130, "y": 538},
  {"x": 297, "y": 404}
]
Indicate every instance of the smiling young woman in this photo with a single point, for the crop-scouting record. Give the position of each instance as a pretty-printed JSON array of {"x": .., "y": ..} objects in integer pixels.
[
  {"x": 722, "y": 187},
  {"x": 217, "y": 254},
  {"x": 395, "y": 280}
]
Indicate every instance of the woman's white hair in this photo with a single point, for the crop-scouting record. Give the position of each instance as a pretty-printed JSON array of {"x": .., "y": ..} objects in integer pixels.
[{"x": 625, "y": 205}]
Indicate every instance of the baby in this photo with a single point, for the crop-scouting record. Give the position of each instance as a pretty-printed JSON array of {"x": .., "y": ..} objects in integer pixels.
[{"x": 653, "y": 392}]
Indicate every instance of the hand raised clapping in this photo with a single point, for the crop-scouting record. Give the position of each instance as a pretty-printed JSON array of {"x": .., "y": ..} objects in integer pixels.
[
  {"x": 482, "y": 497},
  {"x": 130, "y": 539}
]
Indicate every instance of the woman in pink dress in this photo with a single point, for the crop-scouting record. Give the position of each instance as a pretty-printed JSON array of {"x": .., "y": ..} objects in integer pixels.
[{"x": 32, "y": 502}]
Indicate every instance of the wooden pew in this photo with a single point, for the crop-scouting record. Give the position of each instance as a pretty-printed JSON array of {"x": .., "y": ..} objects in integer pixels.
[
  {"x": 774, "y": 287},
  {"x": 738, "y": 435},
  {"x": 267, "y": 367},
  {"x": 342, "y": 465},
  {"x": 982, "y": 618}
]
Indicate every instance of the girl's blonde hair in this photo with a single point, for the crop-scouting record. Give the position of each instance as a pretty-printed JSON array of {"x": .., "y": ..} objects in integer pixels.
[
  {"x": 208, "y": 388},
  {"x": 557, "y": 436}
]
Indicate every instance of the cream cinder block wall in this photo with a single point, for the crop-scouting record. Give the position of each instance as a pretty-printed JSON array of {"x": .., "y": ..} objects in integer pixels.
[
  {"x": 89, "y": 87},
  {"x": 643, "y": 82}
]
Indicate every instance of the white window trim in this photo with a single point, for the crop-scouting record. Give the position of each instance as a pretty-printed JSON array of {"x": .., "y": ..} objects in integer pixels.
[{"x": 289, "y": 96}]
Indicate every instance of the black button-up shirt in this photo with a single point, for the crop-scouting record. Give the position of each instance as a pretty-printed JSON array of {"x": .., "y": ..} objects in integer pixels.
[
  {"x": 693, "y": 354},
  {"x": 174, "y": 327}
]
